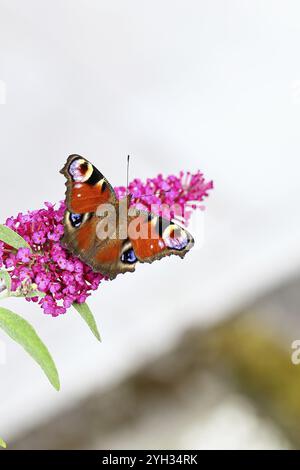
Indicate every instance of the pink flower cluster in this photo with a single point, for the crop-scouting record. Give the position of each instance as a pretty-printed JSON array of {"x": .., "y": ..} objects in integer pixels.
[
  {"x": 62, "y": 277},
  {"x": 174, "y": 196}
]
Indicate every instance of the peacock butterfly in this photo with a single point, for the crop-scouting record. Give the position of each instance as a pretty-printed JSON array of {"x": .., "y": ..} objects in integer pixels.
[{"x": 108, "y": 234}]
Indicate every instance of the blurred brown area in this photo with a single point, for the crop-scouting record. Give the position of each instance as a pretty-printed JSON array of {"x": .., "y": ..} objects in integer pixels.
[{"x": 245, "y": 359}]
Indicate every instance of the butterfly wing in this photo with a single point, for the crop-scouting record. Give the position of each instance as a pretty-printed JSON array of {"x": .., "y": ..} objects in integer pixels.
[
  {"x": 148, "y": 238},
  {"x": 157, "y": 237},
  {"x": 87, "y": 188},
  {"x": 87, "y": 191}
]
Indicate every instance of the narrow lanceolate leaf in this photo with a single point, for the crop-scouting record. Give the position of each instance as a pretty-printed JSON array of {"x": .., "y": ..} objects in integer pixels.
[
  {"x": 12, "y": 238},
  {"x": 85, "y": 312},
  {"x": 2, "y": 443},
  {"x": 4, "y": 275},
  {"x": 24, "y": 334}
]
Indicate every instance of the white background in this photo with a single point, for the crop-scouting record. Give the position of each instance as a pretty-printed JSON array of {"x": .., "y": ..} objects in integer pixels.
[{"x": 178, "y": 85}]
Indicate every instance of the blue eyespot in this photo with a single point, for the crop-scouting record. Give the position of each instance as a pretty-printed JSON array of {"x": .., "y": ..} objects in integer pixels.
[
  {"x": 128, "y": 257},
  {"x": 76, "y": 219}
]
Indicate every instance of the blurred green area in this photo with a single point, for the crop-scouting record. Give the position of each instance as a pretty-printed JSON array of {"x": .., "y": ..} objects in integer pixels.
[{"x": 260, "y": 366}]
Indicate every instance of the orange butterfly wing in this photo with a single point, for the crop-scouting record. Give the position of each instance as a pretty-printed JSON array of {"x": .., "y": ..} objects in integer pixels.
[{"x": 87, "y": 188}]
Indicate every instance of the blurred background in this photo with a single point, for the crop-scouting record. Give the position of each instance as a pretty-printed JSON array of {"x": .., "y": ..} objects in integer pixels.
[{"x": 194, "y": 354}]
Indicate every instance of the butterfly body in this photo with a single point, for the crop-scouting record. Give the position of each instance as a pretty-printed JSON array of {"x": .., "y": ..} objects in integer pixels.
[{"x": 108, "y": 234}]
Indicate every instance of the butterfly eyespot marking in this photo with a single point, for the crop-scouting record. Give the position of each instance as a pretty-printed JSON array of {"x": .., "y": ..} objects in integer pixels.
[
  {"x": 76, "y": 219},
  {"x": 175, "y": 238},
  {"x": 84, "y": 167},
  {"x": 128, "y": 257},
  {"x": 80, "y": 170}
]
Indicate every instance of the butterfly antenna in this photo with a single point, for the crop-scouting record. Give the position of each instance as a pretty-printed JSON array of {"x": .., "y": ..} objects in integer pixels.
[
  {"x": 128, "y": 158},
  {"x": 144, "y": 195}
]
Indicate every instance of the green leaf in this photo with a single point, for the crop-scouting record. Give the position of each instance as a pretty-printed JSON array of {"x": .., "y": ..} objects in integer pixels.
[
  {"x": 12, "y": 238},
  {"x": 24, "y": 334},
  {"x": 2, "y": 443},
  {"x": 7, "y": 279},
  {"x": 85, "y": 312}
]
